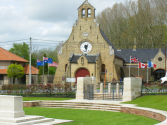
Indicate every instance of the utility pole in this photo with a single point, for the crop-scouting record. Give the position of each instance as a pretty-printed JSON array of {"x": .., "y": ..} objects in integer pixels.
[{"x": 30, "y": 64}]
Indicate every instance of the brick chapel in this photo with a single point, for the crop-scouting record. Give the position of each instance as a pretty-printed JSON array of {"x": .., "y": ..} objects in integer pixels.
[{"x": 88, "y": 52}]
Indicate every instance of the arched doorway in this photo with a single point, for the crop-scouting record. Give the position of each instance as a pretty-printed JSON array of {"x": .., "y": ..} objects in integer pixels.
[
  {"x": 82, "y": 72},
  {"x": 159, "y": 73}
]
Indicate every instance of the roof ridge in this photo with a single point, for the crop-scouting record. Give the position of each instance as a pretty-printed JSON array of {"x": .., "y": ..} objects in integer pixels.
[
  {"x": 20, "y": 58},
  {"x": 5, "y": 53},
  {"x": 85, "y": 2}
]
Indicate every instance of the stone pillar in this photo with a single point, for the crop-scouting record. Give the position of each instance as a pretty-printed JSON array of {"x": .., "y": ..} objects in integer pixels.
[
  {"x": 27, "y": 80},
  {"x": 101, "y": 88},
  {"x": 11, "y": 106},
  {"x": 117, "y": 88},
  {"x": 132, "y": 88},
  {"x": 109, "y": 88},
  {"x": 94, "y": 83},
  {"x": 80, "y": 86},
  {"x": 45, "y": 79},
  {"x": 6, "y": 80}
]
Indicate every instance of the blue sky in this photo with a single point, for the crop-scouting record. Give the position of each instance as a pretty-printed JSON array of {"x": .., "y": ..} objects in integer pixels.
[{"x": 41, "y": 19}]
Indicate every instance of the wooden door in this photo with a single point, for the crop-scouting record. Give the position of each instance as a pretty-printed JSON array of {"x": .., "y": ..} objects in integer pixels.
[{"x": 82, "y": 73}]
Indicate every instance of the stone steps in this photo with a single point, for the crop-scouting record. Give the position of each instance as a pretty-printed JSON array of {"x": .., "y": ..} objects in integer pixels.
[
  {"x": 32, "y": 120},
  {"x": 81, "y": 105},
  {"x": 36, "y": 121}
]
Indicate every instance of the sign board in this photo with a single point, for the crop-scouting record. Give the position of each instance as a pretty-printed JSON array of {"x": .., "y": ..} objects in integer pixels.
[
  {"x": 70, "y": 79},
  {"x": 2, "y": 68}
]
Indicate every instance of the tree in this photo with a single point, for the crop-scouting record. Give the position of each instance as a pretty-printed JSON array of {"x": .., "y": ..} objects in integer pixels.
[
  {"x": 20, "y": 49},
  {"x": 45, "y": 67},
  {"x": 142, "y": 20},
  {"x": 15, "y": 71}
]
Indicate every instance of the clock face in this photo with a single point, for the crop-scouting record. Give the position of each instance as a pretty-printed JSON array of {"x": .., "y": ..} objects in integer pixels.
[{"x": 86, "y": 47}]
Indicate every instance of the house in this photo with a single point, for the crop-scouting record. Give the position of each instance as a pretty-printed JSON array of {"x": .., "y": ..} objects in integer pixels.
[{"x": 7, "y": 58}]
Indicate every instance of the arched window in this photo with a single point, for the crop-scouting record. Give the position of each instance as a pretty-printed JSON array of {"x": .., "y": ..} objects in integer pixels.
[
  {"x": 103, "y": 67},
  {"x": 65, "y": 67},
  {"x": 89, "y": 12},
  {"x": 83, "y": 12}
]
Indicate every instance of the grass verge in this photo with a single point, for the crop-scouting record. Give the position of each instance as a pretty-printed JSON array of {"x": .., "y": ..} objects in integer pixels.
[
  {"x": 151, "y": 101},
  {"x": 44, "y": 98},
  {"x": 88, "y": 117}
]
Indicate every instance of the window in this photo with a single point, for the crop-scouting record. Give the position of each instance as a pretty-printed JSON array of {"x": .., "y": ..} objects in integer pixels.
[
  {"x": 160, "y": 59},
  {"x": 1, "y": 77},
  {"x": 103, "y": 67},
  {"x": 89, "y": 12},
  {"x": 83, "y": 12},
  {"x": 65, "y": 67}
]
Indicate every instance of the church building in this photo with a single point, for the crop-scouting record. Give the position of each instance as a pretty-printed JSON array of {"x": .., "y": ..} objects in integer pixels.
[{"x": 88, "y": 52}]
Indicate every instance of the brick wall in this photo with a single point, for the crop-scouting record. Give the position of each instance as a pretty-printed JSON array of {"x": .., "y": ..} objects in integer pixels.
[{"x": 145, "y": 113}]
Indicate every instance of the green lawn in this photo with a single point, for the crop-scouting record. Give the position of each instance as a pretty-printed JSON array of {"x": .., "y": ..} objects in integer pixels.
[
  {"x": 151, "y": 101},
  {"x": 89, "y": 117},
  {"x": 44, "y": 98}
]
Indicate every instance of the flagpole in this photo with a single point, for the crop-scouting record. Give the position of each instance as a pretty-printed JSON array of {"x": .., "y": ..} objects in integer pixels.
[
  {"x": 138, "y": 68},
  {"x": 43, "y": 71},
  {"x": 147, "y": 71},
  {"x": 37, "y": 75},
  {"x": 48, "y": 72},
  {"x": 129, "y": 66}
]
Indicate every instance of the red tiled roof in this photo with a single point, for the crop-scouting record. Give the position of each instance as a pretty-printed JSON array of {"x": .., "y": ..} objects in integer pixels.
[
  {"x": 8, "y": 56},
  {"x": 3, "y": 71},
  {"x": 33, "y": 70}
]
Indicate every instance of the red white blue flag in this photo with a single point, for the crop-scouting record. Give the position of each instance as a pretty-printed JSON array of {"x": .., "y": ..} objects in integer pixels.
[
  {"x": 39, "y": 63},
  {"x": 54, "y": 64},
  {"x": 150, "y": 64},
  {"x": 134, "y": 60},
  {"x": 45, "y": 60}
]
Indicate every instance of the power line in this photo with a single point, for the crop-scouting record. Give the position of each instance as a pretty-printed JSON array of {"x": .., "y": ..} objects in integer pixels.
[
  {"x": 14, "y": 41},
  {"x": 47, "y": 40}
]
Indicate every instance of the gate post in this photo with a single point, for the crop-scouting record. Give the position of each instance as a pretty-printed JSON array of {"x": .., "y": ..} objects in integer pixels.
[
  {"x": 101, "y": 88},
  {"x": 132, "y": 88},
  {"x": 117, "y": 88},
  {"x": 81, "y": 90},
  {"x": 109, "y": 88}
]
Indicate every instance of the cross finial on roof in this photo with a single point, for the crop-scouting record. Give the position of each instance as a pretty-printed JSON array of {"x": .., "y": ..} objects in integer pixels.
[{"x": 86, "y": 0}]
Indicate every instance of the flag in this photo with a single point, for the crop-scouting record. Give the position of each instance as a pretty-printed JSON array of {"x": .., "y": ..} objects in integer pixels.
[
  {"x": 54, "y": 64},
  {"x": 150, "y": 64},
  {"x": 142, "y": 65},
  {"x": 39, "y": 63},
  {"x": 50, "y": 60},
  {"x": 134, "y": 59},
  {"x": 45, "y": 60}
]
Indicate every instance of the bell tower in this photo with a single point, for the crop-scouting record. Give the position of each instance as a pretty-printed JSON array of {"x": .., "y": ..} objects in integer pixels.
[{"x": 86, "y": 11}]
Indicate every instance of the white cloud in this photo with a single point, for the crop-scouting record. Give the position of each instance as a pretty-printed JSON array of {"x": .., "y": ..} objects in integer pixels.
[{"x": 43, "y": 19}]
